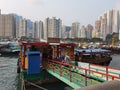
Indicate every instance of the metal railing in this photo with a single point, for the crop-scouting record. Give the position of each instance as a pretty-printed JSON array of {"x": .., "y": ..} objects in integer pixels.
[{"x": 79, "y": 75}]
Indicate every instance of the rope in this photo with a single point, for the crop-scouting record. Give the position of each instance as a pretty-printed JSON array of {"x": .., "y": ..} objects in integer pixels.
[
  {"x": 37, "y": 86},
  {"x": 23, "y": 85},
  {"x": 23, "y": 81}
]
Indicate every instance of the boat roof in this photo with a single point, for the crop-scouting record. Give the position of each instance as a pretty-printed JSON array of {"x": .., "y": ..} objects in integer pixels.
[
  {"x": 92, "y": 50},
  {"x": 24, "y": 43}
]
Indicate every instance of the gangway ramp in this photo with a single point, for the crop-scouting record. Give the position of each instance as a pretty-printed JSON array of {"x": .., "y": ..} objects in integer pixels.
[{"x": 81, "y": 76}]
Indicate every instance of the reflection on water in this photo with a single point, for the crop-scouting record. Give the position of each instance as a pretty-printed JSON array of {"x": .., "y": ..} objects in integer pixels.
[{"x": 8, "y": 75}]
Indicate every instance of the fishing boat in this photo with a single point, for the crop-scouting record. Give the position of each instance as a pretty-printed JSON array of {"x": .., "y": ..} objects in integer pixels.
[
  {"x": 37, "y": 58},
  {"x": 33, "y": 61},
  {"x": 94, "y": 56},
  {"x": 9, "y": 47}
]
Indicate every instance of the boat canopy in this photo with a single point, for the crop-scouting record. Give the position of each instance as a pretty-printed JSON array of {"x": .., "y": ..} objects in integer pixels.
[{"x": 92, "y": 50}]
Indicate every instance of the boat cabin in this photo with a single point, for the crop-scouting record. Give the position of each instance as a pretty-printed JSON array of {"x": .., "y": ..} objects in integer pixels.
[
  {"x": 94, "y": 56},
  {"x": 48, "y": 51}
]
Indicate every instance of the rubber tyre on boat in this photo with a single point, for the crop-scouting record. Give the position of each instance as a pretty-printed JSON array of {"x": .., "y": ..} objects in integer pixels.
[{"x": 18, "y": 69}]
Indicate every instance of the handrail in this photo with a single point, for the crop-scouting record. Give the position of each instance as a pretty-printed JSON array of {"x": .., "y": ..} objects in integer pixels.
[
  {"x": 106, "y": 66},
  {"x": 70, "y": 72},
  {"x": 86, "y": 70}
]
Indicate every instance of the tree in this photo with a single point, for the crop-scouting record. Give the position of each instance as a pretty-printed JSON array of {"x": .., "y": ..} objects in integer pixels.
[
  {"x": 96, "y": 40},
  {"x": 108, "y": 39}
]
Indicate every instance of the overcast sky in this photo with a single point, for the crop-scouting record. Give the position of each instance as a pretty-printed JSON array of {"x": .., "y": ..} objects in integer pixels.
[{"x": 83, "y": 11}]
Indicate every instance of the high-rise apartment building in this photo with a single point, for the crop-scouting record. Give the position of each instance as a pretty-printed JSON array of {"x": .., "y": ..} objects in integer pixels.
[
  {"x": 113, "y": 18},
  {"x": 104, "y": 26},
  {"x": 38, "y": 30},
  {"x": 82, "y": 32},
  {"x": 65, "y": 33},
  {"x": 109, "y": 23},
  {"x": 16, "y": 18},
  {"x": 22, "y": 27},
  {"x": 46, "y": 22},
  {"x": 41, "y": 30},
  {"x": 30, "y": 28},
  {"x": 7, "y": 25},
  {"x": 75, "y": 30},
  {"x": 115, "y": 21},
  {"x": 68, "y": 29},
  {"x": 89, "y": 29},
  {"x": 52, "y": 28},
  {"x": 95, "y": 34},
  {"x": 98, "y": 25}
]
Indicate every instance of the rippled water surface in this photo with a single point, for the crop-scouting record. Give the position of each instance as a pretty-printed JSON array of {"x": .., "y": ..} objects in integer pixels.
[
  {"x": 8, "y": 75},
  {"x": 115, "y": 61}
]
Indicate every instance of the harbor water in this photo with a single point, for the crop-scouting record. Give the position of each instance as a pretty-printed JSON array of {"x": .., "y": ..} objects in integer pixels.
[
  {"x": 8, "y": 73},
  {"x": 115, "y": 61}
]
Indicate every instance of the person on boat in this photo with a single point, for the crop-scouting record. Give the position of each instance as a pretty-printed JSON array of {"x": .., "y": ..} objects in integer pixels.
[
  {"x": 67, "y": 59},
  {"x": 76, "y": 59},
  {"x": 62, "y": 58},
  {"x": 76, "y": 56}
]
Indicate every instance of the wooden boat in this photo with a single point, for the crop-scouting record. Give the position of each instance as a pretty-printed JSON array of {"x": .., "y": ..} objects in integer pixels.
[
  {"x": 94, "y": 56},
  {"x": 9, "y": 47},
  {"x": 34, "y": 58}
]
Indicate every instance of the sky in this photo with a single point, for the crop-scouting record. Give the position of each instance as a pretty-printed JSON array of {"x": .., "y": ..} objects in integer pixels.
[{"x": 69, "y": 11}]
